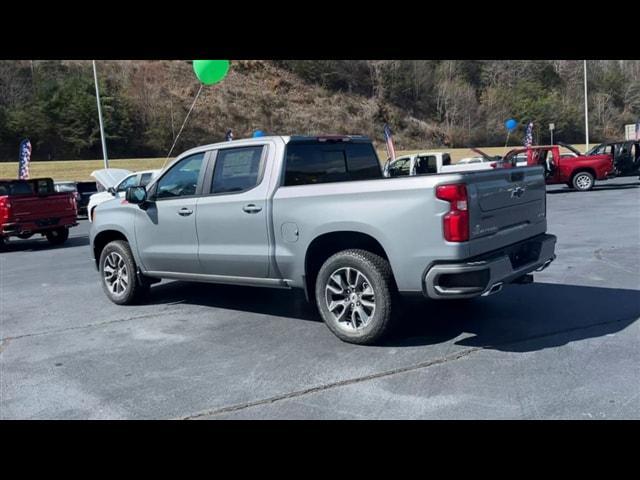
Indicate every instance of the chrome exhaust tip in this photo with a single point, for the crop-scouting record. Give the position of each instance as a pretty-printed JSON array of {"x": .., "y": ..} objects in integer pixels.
[
  {"x": 545, "y": 264},
  {"x": 495, "y": 288}
]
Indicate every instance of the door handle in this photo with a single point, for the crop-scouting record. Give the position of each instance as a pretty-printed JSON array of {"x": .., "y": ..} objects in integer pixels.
[
  {"x": 251, "y": 208},
  {"x": 185, "y": 212}
]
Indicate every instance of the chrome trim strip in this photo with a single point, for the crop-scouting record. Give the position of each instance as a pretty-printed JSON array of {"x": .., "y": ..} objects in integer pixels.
[{"x": 223, "y": 279}]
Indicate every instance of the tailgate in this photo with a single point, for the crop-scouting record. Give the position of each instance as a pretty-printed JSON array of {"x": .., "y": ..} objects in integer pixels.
[
  {"x": 32, "y": 208},
  {"x": 506, "y": 205}
]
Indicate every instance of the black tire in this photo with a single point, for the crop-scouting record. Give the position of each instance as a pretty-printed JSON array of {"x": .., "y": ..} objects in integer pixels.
[
  {"x": 582, "y": 181},
  {"x": 378, "y": 271},
  {"x": 134, "y": 291},
  {"x": 57, "y": 236}
]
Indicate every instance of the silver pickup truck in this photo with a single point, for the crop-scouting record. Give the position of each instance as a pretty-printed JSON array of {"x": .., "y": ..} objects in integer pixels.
[{"x": 316, "y": 213}]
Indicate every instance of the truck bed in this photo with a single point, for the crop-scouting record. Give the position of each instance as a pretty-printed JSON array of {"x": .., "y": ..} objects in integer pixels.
[
  {"x": 506, "y": 206},
  {"x": 25, "y": 214}
]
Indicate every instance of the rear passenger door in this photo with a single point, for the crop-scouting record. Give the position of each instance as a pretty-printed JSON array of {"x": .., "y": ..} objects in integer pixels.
[{"x": 232, "y": 215}]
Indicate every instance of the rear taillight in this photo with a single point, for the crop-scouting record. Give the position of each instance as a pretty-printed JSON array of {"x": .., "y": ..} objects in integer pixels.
[
  {"x": 5, "y": 207},
  {"x": 455, "y": 223}
]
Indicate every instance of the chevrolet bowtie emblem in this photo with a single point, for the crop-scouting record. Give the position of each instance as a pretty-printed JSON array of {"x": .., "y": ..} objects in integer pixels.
[{"x": 517, "y": 191}]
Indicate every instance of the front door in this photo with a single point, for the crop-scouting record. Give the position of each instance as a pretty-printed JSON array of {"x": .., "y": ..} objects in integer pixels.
[
  {"x": 166, "y": 229},
  {"x": 232, "y": 216}
]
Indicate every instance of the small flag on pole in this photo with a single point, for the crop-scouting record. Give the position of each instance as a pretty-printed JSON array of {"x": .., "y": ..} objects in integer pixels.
[
  {"x": 25, "y": 158},
  {"x": 388, "y": 138},
  {"x": 528, "y": 138}
]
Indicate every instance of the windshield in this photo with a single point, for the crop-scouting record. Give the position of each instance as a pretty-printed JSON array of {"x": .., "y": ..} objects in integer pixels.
[
  {"x": 86, "y": 187},
  {"x": 130, "y": 181}
]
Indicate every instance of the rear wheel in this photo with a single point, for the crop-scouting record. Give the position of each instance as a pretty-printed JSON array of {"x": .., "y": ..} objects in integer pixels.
[
  {"x": 583, "y": 181},
  {"x": 118, "y": 274},
  {"x": 57, "y": 236},
  {"x": 356, "y": 296}
]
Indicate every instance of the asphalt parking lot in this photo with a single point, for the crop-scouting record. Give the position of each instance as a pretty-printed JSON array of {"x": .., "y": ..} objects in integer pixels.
[{"x": 566, "y": 346}]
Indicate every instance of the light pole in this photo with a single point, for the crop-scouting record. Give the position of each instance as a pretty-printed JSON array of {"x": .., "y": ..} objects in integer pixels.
[
  {"x": 586, "y": 107},
  {"x": 104, "y": 143}
]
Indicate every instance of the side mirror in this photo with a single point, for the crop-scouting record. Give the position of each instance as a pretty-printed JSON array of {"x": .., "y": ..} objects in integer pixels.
[
  {"x": 111, "y": 190},
  {"x": 137, "y": 195}
]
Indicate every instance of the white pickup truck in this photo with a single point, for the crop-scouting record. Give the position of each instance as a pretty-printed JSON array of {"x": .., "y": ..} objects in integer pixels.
[{"x": 425, "y": 163}]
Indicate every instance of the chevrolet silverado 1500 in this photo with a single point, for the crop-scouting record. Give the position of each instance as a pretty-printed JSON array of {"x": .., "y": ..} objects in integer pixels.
[
  {"x": 29, "y": 207},
  {"x": 316, "y": 213}
]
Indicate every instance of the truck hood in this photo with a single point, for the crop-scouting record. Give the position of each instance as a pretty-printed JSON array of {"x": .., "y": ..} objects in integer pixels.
[
  {"x": 490, "y": 158},
  {"x": 110, "y": 177}
]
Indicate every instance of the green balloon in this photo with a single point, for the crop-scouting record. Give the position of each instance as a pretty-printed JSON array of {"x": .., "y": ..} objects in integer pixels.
[{"x": 210, "y": 71}]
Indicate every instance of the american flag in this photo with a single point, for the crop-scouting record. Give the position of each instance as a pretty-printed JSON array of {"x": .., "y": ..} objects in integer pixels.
[
  {"x": 388, "y": 138},
  {"x": 528, "y": 138},
  {"x": 25, "y": 158}
]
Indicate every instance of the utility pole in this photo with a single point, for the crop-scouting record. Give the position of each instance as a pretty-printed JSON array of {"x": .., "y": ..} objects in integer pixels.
[
  {"x": 104, "y": 143},
  {"x": 586, "y": 108}
]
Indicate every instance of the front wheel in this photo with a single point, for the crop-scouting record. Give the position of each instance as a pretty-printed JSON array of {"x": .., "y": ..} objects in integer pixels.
[
  {"x": 583, "y": 181},
  {"x": 356, "y": 296},
  {"x": 118, "y": 274},
  {"x": 57, "y": 236}
]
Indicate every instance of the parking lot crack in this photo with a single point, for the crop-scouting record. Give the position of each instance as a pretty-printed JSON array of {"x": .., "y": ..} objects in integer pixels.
[
  {"x": 5, "y": 340},
  {"x": 387, "y": 373},
  {"x": 327, "y": 386}
]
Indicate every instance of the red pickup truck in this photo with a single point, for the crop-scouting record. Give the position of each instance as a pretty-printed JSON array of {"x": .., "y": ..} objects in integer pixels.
[
  {"x": 33, "y": 206},
  {"x": 575, "y": 170}
]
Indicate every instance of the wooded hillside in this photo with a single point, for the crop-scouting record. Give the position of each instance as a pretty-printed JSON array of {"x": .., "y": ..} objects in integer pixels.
[{"x": 427, "y": 103}]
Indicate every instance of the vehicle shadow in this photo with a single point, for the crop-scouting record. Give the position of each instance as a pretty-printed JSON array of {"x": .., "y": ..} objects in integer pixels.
[
  {"x": 597, "y": 187},
  {"x": 37, "y": 243},
  {"x": 266, "y": 301},
  {"x": 522, "y": 318}
]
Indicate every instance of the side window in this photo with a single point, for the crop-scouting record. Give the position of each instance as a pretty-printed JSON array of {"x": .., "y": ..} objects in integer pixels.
[
  {"x": 405, "y": 167},
  {"x": 182, "y": 179},
  {"x": 237, "y": 169},
  {"x": 396, "y": 168},
  {"x": 145, "y": 178},
  {"x": 130, "y": 181},
  {"x": 432, "y": 164},
  {"x": 312, "y": 164},
  {"x": 362, "y": 162}
]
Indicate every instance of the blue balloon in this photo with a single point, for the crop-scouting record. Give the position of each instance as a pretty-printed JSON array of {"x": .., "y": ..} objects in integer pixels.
[
  {"x": 258, "y": 133},
  {"x": 511, "y": 124}
]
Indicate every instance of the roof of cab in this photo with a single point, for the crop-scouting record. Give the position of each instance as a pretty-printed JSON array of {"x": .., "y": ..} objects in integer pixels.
[{"x": 285, "y": 138}]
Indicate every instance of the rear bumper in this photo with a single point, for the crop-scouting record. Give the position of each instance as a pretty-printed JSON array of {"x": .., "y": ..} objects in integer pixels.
[
  {"x": 22, "y": 228},
  {"x": 485, "y": 274}
]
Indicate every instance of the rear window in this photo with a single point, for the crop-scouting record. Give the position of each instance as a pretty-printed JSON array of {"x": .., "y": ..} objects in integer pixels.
[
  {"x": 86, "y": 187},
  {"x": 16, "y": 188},
  {"x": 42, "y": 186},
  {"x": 314, "y": 163}
]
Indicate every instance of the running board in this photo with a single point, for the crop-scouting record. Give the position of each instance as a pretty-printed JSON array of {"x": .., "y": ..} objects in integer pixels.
[{"x": 223, "y": 279}]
